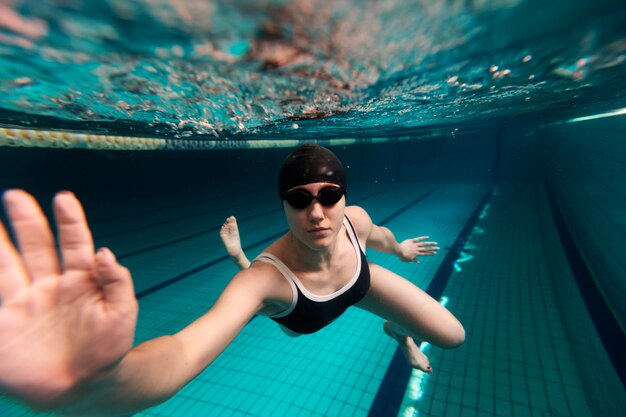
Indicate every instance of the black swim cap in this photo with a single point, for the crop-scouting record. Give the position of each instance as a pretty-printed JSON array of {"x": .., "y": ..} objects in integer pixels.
[{"x": 309, "y": 164}]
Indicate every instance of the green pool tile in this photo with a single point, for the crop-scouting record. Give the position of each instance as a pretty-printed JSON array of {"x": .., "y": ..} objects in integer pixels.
[
  {"x": 558, "y": 405},
  {"x": 539, "y": 400},
  {"x": 580, "y": 410},
  {"x": 521, "y": 411},
  {"x": 486, "y": 403}
]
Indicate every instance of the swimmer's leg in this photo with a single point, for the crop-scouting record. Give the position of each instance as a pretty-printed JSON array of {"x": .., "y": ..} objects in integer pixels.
[
  {"x": 230, "y": 238},
  {"x": 414, "y": 356},
  {"x": 412, "y": 313}
]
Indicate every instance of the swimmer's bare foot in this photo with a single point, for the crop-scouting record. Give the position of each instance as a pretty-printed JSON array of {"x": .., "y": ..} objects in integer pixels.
[
  {"x": 414, "y": 356},
  {"x": 229, "y": 233}
]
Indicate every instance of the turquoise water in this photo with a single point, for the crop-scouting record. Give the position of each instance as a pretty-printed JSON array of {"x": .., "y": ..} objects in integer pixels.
[
  {"x": 459, "y": 120},
  {"x": 277, "y": 68}
]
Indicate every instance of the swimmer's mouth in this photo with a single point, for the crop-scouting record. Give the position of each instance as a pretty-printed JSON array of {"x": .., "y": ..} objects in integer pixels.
[{"x": 318, "y": 229}]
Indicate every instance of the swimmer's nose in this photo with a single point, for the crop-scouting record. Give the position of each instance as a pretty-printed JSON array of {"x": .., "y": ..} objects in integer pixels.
[{"x": 316, "y": 212}]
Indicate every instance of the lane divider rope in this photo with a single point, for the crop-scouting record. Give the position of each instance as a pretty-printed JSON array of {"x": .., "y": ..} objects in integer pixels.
[{"x": 34, "y": 138}]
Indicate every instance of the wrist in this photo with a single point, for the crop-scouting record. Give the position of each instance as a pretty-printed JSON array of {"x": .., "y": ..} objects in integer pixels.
[
  {"x": 88, "y": 396},
  {"x": 397, "y": 250}
]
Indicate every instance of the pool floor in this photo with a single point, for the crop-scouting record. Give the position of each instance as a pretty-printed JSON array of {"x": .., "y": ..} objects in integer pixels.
[{"x": 516, "y": 361}]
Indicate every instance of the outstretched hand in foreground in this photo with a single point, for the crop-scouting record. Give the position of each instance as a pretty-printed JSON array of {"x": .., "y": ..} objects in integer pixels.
[{"x": 66, "y": 318}]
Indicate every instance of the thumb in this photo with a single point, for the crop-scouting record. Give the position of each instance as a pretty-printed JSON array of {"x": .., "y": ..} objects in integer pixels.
[{"x": 114, "y": 279}]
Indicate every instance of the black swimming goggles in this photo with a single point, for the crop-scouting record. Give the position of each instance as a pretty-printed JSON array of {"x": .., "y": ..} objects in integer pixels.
[{"x": 327, "y": 197}]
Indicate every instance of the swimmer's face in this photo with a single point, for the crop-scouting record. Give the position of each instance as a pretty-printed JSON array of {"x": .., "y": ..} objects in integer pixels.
[{"x": 316, "y": 225}]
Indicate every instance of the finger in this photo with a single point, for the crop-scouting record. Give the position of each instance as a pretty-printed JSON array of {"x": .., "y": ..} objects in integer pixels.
[
  {"x": 113, "y": 278},
  {"x": 33, "y": 235},
  {"x": 419, "y": 239},
  {"x": 13, "y": 275},
  {"x": 74, "y": 235}
]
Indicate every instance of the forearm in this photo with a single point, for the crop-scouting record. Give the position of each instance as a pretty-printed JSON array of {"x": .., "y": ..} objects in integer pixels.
[
  {"x": 149, "y": 374},
  {"x": 382, "y": 239},
  {"x": 155, "y": 370}
]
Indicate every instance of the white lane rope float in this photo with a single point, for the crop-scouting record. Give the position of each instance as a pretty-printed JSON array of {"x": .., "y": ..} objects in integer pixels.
[{"x": 39, "y": 138}]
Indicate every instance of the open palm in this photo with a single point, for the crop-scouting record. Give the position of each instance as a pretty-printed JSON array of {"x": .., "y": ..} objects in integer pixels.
[
  {"x": 412, "y": 249},
  {"x": 65, "y": 318}
]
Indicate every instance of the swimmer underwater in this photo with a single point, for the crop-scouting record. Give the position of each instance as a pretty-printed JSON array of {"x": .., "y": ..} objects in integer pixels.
[{"x": 67, "y": 321}]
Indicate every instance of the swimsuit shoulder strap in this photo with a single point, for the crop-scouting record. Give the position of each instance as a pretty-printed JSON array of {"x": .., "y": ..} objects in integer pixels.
[
  {"x": 289, "y": 276},
  {"x": 352, "y": 233}
]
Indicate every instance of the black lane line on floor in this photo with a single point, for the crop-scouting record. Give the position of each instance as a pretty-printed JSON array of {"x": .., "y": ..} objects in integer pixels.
[
  {"x": 606, "y": 324},
  {"x": 398, "y": 212},
  {"x": 168, "y": 221},
  {"x": 191, "y": 236},
  {"x": 214, "y": 229},
  {"x": 391, "y": 391},
  {"x": 199, "y": 268},
  {"x": 202, "y": 201},
  {"x": 96, "y": 219}
]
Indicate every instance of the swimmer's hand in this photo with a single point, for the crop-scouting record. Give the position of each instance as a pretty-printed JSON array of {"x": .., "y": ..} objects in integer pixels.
[
  {"x": 65, "y": 319},
  {"x": 412, "y": 249}
]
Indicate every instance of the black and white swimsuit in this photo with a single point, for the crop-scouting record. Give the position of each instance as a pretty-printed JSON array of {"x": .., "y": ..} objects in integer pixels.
[{"x": 308, "y": 312}]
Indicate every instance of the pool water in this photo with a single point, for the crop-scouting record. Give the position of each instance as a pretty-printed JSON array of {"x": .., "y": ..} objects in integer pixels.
[
  {"x": 496, "y": 128},
  {"x": 276, "y": 68}
]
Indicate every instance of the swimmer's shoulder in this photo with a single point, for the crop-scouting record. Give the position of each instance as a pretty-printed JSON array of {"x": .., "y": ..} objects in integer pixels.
[
  {"x": 265, "y": 272},
  {"x": 260, "y": 287},
  {"x": 275, "y": 290}
]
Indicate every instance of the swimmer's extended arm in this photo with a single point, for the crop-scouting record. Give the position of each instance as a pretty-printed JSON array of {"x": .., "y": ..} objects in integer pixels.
[
  {"x": 155, "y": 370},
  {"x": 382, "y": 239},
  {"x": 67, "y": 323}
]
